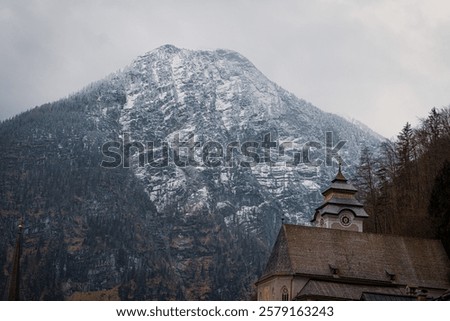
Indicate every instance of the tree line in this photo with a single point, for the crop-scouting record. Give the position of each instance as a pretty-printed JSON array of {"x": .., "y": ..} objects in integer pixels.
[{"x": 405, "y": 184}]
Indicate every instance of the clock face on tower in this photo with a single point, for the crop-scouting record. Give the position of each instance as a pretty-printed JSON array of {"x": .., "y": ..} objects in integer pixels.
[{"x": 346, "y": 218}]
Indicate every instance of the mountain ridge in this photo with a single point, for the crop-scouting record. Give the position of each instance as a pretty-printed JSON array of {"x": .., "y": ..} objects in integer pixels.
[{"x": 173, "y": 231}]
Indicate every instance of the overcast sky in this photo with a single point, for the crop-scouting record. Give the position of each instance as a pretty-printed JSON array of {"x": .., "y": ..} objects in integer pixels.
[{"x": 381, "y": 62}]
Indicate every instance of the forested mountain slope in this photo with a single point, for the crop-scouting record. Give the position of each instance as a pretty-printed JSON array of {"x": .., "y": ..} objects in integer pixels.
[{"x": 198, "y": 227}]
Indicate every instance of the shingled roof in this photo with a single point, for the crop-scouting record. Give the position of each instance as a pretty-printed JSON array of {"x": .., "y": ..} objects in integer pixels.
[
  {"x": 340, "y": 183},
  {"x": 316, "y": 289},
  {"x": 333, "y": 253}
]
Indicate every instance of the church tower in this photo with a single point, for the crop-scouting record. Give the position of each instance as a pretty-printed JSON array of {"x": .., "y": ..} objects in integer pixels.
[{"x": 340, "y": 209}]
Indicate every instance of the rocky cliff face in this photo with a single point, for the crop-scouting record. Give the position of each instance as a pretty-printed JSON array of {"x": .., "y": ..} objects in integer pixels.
[{"x": 166, "y": 180}]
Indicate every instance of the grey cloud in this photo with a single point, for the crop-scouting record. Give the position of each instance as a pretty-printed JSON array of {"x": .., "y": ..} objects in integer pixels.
[{"x": 371, "y": 60}]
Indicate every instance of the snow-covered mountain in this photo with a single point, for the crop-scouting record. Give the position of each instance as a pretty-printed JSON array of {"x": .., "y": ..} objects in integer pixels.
[
  {"x": 220, "y": 96},
  {"x": 168, "y": 179}
]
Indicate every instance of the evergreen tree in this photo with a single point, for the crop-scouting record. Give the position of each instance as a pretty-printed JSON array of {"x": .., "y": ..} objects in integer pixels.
[{"x": 404, "y": 146}]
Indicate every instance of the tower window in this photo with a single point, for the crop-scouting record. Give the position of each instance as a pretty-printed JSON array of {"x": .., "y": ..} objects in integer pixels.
[{"x": 284, "y": 294}]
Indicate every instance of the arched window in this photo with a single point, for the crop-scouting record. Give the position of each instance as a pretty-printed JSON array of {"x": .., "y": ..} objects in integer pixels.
[{"x": 284, "y": 294}]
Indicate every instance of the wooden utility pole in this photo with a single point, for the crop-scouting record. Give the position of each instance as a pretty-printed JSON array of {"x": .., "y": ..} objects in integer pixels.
[{"x": 14, "y": 286}]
